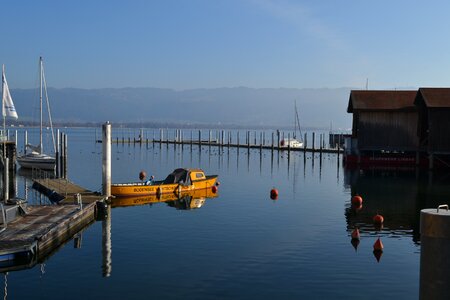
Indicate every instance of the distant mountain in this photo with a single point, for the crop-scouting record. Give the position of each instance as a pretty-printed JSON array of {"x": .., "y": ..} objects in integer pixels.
[{"x": 239, "y": 106}]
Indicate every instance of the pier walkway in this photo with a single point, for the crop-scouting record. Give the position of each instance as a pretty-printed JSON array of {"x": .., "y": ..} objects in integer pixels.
[{"x": 40, "y": 229}]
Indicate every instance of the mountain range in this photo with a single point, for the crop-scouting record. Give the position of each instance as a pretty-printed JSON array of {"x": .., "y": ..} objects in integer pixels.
[{"x": 239, "y": 106}]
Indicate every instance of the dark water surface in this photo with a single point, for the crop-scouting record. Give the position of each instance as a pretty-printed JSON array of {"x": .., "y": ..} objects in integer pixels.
[{"x": 240, "y": 244}]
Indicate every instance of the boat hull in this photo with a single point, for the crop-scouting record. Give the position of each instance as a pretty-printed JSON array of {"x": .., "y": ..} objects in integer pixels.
[
  {"x": 38, "y": 162},
  {"x": 159, "y": 188}
]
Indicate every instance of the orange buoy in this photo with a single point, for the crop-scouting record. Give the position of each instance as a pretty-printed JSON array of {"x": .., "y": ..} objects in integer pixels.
[
  {"x": 274, "y": 194},
  {"x": 142, "y": 175},
  {"x": 214, "y": 189},
  {"x": 378, "y": 219},
  {"x": 378, "y": 246},
  {"x": 355, "y": 234},
  {"x": 357, "y": 200}
]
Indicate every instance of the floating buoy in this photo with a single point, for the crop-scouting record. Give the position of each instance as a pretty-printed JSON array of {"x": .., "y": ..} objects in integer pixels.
[
  {"x": 378, "y": 246},
  {"x": 274, "y": 194},
  {"x": 357, "y": 200},
  {"x": 214, "y": 189},
  {"x": 142, "y": 175},
  {"x": 355, "y": 234},
  {"x": 378, "y": 219},
  {"x": 357, "y": 207}
]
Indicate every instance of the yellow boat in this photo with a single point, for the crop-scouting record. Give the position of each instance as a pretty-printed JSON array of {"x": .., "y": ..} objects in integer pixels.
[
  {"x": 187, "y": 200},
  {"x": 178, "y": 182}
]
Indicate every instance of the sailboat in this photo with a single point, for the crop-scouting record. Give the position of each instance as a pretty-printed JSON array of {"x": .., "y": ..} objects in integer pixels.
[
  {"x": 37, "y": 158},
  {"x": 8, "y": 109},
  {"x": 293, "y": 142}
]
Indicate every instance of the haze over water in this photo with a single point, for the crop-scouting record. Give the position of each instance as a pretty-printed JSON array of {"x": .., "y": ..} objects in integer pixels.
[{"x": 239, "y": 244}]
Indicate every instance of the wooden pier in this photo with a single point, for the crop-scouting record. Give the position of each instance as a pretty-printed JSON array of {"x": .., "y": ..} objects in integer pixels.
[
  {"x": 250, "y": 140},
  {"x": 40, "y": 229}
]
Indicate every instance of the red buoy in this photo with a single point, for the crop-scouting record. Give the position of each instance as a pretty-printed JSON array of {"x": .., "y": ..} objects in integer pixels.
[
  {"x": 214, "y": 189},
  {"x": 142, "y": 175},
  {"x": 378, "y": 246},
  {"x": 378, "y": 219},
  {"x": 355, "y": 234},
  {"x": 357, "y": 200},
  {"x": 274, "y": 194}
]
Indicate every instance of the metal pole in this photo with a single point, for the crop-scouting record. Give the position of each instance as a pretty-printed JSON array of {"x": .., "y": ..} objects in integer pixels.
[
  {"x": 106, "y": 161},
  {"x": 6, "y": 180}
]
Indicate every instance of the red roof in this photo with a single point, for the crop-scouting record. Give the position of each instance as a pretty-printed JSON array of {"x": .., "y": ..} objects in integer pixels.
[
  {"x": 435, "y": 97},
  {"x": 381, "y": 100}
]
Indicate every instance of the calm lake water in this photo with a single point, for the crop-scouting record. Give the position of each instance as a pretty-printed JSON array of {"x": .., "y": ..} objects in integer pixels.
[{"x": 239, "y": 244}]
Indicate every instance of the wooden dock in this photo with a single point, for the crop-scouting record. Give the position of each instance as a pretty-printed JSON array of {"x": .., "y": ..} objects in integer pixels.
[
  {"x": 64, "y": 191},
  {"x": 225, "y": 140},
  {"x": 41, "y": 229}
]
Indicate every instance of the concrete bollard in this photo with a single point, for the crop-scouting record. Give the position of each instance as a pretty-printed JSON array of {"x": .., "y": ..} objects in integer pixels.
[{"x": 435, "y": 248}]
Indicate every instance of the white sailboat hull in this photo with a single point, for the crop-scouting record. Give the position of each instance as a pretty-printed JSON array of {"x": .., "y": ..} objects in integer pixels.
[
  {"x": 37, "y": 160},
  {"x": 291, "y": 143}
]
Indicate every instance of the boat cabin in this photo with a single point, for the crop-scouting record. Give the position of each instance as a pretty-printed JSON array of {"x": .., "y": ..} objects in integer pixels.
[{"x": 185, "y": 176}]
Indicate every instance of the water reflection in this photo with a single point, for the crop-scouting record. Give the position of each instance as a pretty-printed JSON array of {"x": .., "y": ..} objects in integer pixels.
[
  {"x": 185, "y": 201},
  {"x": 398, "y": 195}
]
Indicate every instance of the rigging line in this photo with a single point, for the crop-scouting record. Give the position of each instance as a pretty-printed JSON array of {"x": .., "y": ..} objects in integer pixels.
[
  {"x": 298, "y": 121},
  {"x": 48, "y": 109}
]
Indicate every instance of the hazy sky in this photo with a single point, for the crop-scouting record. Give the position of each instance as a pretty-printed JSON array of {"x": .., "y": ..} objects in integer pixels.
[{"x": 226, "y": 43}]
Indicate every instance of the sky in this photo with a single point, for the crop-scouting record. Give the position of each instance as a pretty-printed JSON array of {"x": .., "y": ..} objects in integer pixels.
[{"x": 187, "y": 44}]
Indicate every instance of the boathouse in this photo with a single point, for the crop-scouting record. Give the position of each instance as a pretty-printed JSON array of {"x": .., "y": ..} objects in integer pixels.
[
  {"x": 383, "y": 121},
  {"x": 434, "y": 120}
]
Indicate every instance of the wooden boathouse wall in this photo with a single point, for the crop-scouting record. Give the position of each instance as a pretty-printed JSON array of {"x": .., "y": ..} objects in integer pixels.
[
  {"x": 434, "y": 119},
  {"x": 384, "y": 120}
]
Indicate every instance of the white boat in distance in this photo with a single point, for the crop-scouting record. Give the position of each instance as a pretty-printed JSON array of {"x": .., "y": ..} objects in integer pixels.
[
  {"x": 37, "y": 158},
  {"x": 293, "y": 142}
]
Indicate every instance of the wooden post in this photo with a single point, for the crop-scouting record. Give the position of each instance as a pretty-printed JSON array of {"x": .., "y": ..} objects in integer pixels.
[
  {"x": 289, "y": 145},
  {"x": 248, "y": 139},
  {"x": 65, "y": 155},
  {"x": 199, "y": 137},
  {"x": 61, "y": 160},
  {"x": 321, "y": 140},
  {"x": 238, "y": 139},
  {"x": 106, "y": 159},
  {"x": 25, "y": 142},
  {"x": 313, "y": 141},
  {"x": 306, "y": 143},
  {"x": 5, "y": 183},
  {"x": 272, "y": 140},
  {"x": 57, "y": 159}
]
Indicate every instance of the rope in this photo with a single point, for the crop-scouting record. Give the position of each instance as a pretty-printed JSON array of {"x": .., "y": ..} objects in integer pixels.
[{"x": 6, "y": 286}]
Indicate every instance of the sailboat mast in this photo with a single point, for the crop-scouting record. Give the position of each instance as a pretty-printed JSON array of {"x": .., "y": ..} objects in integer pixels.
[
  {"x": 3, "y": 111},
  {"x": 40, "y": 105}
]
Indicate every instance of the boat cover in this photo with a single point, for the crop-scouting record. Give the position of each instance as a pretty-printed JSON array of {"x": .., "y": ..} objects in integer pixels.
[{"x": 177, "y": 176}]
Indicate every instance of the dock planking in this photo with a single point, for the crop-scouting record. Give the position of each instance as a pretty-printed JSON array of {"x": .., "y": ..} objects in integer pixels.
[
  {"x": 43, "y": 228},
  {"x": 64, "y": 190}
]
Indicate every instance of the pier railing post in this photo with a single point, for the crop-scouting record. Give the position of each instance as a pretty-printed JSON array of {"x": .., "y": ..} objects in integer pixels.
[{"x": 106, "y": 166}]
